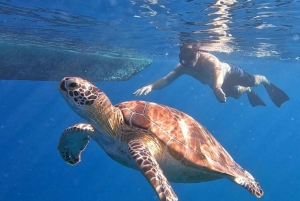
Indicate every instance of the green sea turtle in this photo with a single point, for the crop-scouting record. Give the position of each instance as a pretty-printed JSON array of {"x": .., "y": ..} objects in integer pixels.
[{"x": 163, "y": 143}]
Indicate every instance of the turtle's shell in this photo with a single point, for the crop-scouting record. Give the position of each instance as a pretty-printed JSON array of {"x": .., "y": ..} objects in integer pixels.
[{"x": 186, "y": 140}]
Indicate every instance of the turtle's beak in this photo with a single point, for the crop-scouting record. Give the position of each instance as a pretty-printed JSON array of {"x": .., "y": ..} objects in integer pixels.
[{"x": 62, "y": 84}]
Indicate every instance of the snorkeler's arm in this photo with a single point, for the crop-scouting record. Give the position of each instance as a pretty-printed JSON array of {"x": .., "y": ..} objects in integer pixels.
[
  {"x": 162, "y": 82},
  {"x": 218, "y": 78},
  {"x": 214, "y": 64}
]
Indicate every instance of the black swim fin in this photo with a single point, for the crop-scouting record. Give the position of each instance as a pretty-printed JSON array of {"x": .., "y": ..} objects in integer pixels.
[
  {"x": 277, "y": 95},
  {"x": 254, "y": 99}
]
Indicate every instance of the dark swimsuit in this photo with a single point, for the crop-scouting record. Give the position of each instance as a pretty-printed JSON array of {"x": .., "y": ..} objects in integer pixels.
[{"x": 237, "y": 76}]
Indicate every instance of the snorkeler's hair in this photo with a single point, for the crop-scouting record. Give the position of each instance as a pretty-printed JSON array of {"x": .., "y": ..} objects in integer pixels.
[{"x": 188, "y": 45}]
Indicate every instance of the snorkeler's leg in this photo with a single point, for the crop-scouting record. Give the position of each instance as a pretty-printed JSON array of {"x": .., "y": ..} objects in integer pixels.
[
  {"x": 277, "y": 95},
  {"x": 253, "y": 98},
  {"x": 260, "y": 79},
  {"x": 240, "y": 90}
]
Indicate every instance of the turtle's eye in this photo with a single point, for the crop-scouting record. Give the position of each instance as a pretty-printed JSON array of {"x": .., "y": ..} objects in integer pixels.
[{"x": 73, "y": 85}]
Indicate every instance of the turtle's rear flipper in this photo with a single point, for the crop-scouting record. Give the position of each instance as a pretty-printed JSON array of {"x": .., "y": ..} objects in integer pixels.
[
  {"x": 277, "y": 95},
  {"x": 249, "y": 183},
  {"x": 254, "y": 99},
  {"x": 73, "y": 141}
]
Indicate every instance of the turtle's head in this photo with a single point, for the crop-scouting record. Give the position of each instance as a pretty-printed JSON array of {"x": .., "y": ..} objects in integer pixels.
[
  {"x": 92, "y": 104},
  {"x": 79, "y": 93}
]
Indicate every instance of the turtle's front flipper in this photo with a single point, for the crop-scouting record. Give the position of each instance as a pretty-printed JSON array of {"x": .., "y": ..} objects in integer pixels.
[
  {"x": 73, "y": 141},
  {"x": 151, "y": 170}
]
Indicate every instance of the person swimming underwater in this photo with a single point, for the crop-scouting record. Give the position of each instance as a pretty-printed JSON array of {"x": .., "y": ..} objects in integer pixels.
[{"x": 225, "y": 79}]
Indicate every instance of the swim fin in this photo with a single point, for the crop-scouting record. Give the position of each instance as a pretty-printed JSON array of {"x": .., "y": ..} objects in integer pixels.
[
  {"x": 254, "y": 99},
  {"x": 277, "y": 95}
]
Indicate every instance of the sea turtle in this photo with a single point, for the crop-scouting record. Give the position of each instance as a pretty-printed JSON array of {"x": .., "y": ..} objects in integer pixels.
[{"x": 163, "y": 143}]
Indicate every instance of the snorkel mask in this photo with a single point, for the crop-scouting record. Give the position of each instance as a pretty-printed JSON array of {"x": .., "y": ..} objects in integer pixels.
[{"x": 188, "y": 56}]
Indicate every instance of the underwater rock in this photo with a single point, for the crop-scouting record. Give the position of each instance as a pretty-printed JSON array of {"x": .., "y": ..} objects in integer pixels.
[{"x": 38, "y": 62}]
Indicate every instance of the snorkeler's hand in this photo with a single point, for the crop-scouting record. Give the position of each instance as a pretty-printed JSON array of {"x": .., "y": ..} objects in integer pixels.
[
  {"x": 219, "y": 93},
  {"x": 144, "y": 90}
]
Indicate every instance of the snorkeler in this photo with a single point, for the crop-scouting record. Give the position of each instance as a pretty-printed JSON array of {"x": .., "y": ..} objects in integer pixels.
[{"x": 225, "y": 79}]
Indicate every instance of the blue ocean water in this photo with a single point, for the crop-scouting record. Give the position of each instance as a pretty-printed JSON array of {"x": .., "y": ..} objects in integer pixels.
[{"x": 263, "y": 140}]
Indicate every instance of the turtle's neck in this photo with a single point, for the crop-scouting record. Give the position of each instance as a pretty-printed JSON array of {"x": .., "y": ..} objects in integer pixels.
[{"x": 106, "y": 117}]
